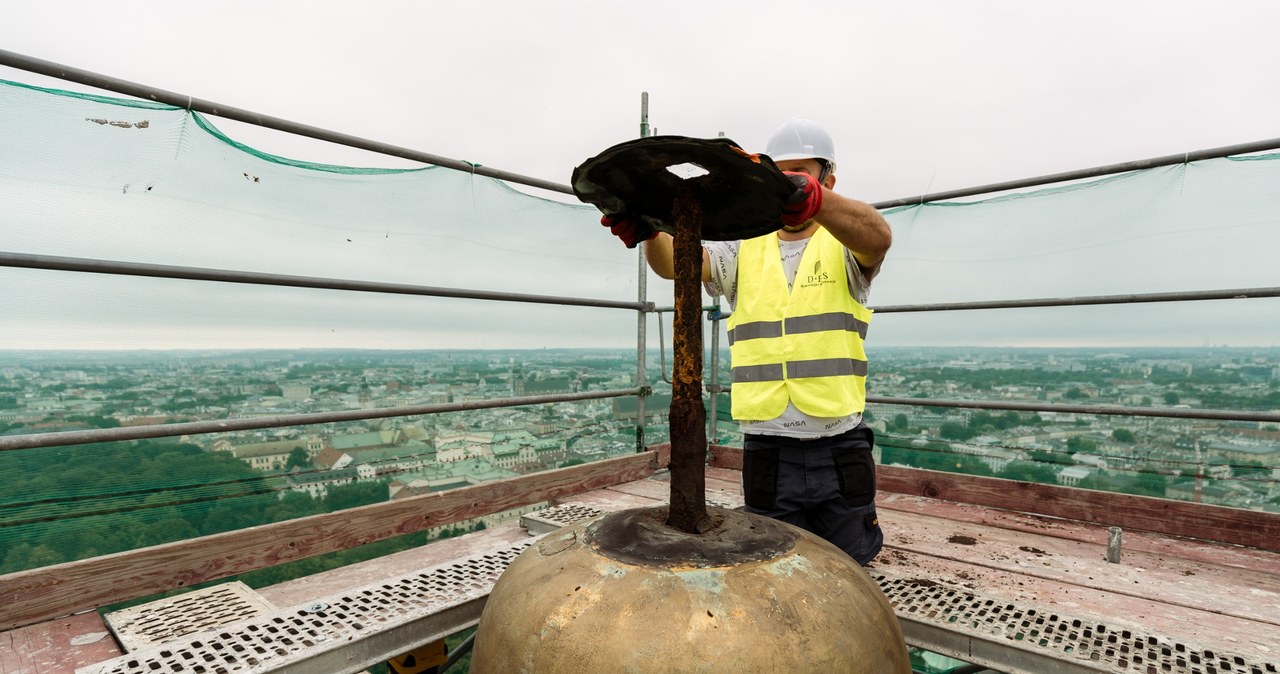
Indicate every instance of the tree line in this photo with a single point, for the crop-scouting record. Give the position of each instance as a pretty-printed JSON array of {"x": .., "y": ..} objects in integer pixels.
[{"x": 68, "y": 503}]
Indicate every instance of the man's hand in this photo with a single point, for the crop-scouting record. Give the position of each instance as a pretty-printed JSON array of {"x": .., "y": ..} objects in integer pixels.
[
  {"x": 631, "y": 230},
  {"x": 803, "y": 203}
]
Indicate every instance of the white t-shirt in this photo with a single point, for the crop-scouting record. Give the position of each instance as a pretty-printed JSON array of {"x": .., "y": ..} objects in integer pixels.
[{"x": 723, "y": 257}]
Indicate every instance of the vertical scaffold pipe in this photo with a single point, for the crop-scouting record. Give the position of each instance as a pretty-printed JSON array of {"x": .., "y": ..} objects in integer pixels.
[
  {"x": 644, "y": 114},
  {"x": 642, "y": 286}
]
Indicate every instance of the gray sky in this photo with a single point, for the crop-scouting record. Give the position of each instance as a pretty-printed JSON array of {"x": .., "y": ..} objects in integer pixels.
[{"x": 919, "y": 95}]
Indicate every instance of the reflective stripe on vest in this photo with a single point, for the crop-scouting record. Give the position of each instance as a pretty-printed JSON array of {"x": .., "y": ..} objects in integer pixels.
[
  {"x": 798, "y": 369},
  {"x": 801, "y": 345},
  {"x": 835, "y": 320}
]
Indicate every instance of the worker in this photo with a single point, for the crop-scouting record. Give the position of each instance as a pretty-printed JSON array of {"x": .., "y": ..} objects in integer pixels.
[{"x": 796, "y": 333}]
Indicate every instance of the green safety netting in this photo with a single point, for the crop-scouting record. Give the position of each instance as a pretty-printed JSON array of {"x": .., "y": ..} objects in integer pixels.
[
  {"x": 1201, "y": 226},
  {"x": 108, "y": 178},
  {"x": 105, "y": 178}
]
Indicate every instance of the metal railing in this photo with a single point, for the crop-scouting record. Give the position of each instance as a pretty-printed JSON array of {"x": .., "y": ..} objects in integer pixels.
[
  {"x": 641, "y": 306},
  {"x": 186, "y": 101},
  {"x": 64, "y": 438}
]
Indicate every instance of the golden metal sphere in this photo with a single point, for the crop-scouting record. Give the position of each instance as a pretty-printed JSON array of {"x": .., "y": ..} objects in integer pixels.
[{"x": 627, "y": 593}]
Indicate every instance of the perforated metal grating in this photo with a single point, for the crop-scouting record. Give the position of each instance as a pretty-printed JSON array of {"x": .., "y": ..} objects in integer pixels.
[
  {"x": 1006, "y": 636},
  {"x": 1096, "y": 646},
  {"x": 549, "y": 519},
  {"x": 287, "y": 637},
  {"x": 167, "y": 619}
]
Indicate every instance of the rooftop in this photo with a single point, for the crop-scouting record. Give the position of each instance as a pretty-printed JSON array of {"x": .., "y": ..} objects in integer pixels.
[{"x": 1010, "y": 575}]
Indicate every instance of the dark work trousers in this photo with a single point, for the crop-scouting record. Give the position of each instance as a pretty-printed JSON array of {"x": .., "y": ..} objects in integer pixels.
[{"x": 823, "y": 485}]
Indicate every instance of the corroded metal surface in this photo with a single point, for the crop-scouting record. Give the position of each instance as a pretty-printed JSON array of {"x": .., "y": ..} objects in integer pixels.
[
  {"x": 693, "y": 189},
  {"x": 688, "y": 417},
  {"x": 562, "y": 606},
  {"x": 742, "y": 194},
  {"x": 642, "y": 537}
]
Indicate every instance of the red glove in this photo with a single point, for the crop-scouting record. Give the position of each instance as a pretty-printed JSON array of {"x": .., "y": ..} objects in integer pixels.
[
  {"x": 630, "y": 229},
  {"x": 804, "y": 203}
]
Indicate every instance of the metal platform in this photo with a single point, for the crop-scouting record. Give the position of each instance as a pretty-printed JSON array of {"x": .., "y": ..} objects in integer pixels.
[
  {"x": 344, "y": 632},
  {"x": 1021, "y": 638},
  {"x": 351, "y": 630},
  {"x": 165, "y": 620}
]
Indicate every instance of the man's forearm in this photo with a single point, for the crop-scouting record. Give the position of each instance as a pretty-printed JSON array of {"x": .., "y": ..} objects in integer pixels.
[
  {"x": 858, "y": 226},
  {"x": 660, "y": 254}
]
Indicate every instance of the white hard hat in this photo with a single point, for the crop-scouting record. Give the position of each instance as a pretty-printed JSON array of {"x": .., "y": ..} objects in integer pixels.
[{"x": 801, "y": 139}]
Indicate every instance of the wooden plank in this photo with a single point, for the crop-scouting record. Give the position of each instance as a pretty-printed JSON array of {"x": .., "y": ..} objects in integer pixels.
[
  {"x": 659, "y": 490},
  {"x": 1177, "y": 518},
  {"x": 1133, "y": 540},
  {"x": 57, "y": 646},
  {"x": 726, "y": 457},
  {"x": 613, "y": 500},
  {"x": 1252, "y": 595},
  {"x": 724, "y": 479},
  {"x": 1191, "y": 626},
  {"x": 662, "y": 453},
  {"x": 39, "y": 594}
]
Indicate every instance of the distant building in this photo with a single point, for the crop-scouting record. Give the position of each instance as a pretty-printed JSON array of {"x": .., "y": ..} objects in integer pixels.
[
  {"x": 370, "y": 440},
  {"x": 331, "y": 459},
  {"x": 1219, "y": 469},
  {"x": 527, "y": 456},
  {"x": 452, "y": 476},
  {"x": 517, "y": 450},
  {"x": 537, "y": 384},
  {"x": 1209, "y": 492},
  {"x": 295, "y": 392},
  {"x": 408, "y": 457},
  {"x": 996, "y": 458},
  {"x": 1070, "y": 477},
  {"x": 265, "y": 456},
  {"x": 1094, "y": 460},
  {"x": 657, "y": 408},
  {"x": 1267, "y": 455},
  {"x": 455, "y": 447},
  {"x": 440, "y": 477},
  {"x": 316, "y": 484}
]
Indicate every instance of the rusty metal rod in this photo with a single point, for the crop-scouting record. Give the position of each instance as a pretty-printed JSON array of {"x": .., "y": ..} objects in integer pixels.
[{"x": 688, "y": 418}]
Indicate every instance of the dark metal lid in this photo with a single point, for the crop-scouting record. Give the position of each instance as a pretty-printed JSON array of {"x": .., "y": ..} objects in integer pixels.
[{"x": 741, "y": 195}]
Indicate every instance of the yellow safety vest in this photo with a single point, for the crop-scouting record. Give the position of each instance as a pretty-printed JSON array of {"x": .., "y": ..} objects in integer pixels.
[{"x": 802, "y": 344}]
